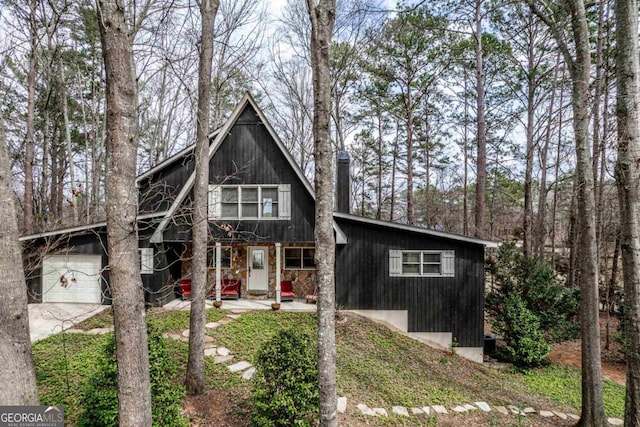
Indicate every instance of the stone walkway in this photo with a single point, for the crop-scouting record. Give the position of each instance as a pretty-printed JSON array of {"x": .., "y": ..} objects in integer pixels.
[
  {"x": 223, "y": 355},
  {"x": 480, "y": 406},
  {"x": 218, "y": 353}
]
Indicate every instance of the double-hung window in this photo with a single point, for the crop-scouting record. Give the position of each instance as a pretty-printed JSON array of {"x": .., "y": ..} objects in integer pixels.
[
  {"x": 252, "y": 202},
  {"x": 422, "y": 263}
]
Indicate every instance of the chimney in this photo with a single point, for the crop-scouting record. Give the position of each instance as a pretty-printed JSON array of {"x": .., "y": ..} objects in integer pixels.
[{"x": 343, "y": 187}]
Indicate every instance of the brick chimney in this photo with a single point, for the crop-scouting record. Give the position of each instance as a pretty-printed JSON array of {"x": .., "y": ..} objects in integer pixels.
[{"x": 343, "y": 185}]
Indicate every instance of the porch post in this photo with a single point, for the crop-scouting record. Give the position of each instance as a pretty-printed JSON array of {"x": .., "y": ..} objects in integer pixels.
[
  {"x": 218, "y": 269},
  {"x": 278, "y": 272}
]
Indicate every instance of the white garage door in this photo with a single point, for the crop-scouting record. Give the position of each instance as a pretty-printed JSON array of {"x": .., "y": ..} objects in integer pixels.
[{"x": 72, "y": 278}]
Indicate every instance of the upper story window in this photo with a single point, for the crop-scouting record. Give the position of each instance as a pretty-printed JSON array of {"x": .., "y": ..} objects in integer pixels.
[
  {"x": 418, "y": 263},
  {"x": 250, "y": 202}
]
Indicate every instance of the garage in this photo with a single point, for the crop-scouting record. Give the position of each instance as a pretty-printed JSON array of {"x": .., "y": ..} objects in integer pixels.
[{"x": 72, "y": 278}]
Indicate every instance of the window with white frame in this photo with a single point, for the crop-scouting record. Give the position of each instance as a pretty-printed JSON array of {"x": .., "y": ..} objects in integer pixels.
[
  {"x": 249, "y": 202},
  {"x": 422, "y": 263},
  {"x": 299, "y": 258},
  {"x": 146, "y": 260},
  {"x": 225, "y": 256}
]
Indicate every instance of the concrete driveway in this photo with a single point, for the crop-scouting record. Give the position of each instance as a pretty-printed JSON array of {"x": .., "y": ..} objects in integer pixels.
[{"x": 51, "y": 318}]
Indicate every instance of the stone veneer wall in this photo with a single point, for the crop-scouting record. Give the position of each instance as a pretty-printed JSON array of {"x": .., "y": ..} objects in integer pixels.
[{"x": 303, "y": 280}]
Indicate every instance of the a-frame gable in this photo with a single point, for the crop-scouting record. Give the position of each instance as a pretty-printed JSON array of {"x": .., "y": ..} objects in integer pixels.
[{"x": 226, "y": 167}]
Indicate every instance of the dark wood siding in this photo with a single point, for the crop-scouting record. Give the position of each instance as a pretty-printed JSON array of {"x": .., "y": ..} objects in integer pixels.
[
  {"x": 434, "y": 304},
  {"x": 158, "y": 191},
  {"x": 249, "y": 155}
]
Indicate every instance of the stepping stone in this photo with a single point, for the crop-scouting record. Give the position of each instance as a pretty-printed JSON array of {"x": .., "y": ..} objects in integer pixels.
[
  {"x": 615, "y": 421},
  {"x": 439, "y": 409},
  {"x": 248, "y": 374},
  {"x": 240, "y": 311},
  {"x": 212, "y": 325},
  {"x": 501, "y": 409},
  {"x": 417, "y": 411},
  {"x": 240, "y": 366},
  {"x": 560, "y": 414},
  {"x": 208, "y": 340},
  {"x": 365, "y": 410},
  {"x": 426, "y": 409},
  {"x": 342, "y": 404},
  {"x": 380, "y": 411},
  {"x": 546, "y": 414},
  {"x": 233, "y": 316},
  {"x": 224, "y": 321},
  {"x": 223, "y": 351},
  {"x": 75, "y": 331},
  {"x": 209, "y": 345},
  {"x": 185, "y": 333},
  {"x": 573, "y": 417},
  {"x": 222, "y": 359},
  {"x": 459, "y": 409},
  {"x": 100, "y": 331},
  {"x": 483, "y": 406},
  {"x": 211, "y": 352},
  {"x": 469, "y": 407},
  {"x": 400, "y": 410},
  {"x": 515, "y": 410},
  {"x": 529, "y": 410}
]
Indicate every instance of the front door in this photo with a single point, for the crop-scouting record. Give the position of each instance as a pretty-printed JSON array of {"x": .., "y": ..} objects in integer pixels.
[{"x": 258, "y": 268}]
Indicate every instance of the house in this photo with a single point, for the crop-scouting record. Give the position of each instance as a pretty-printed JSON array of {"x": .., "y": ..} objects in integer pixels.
[{"x": 261, "y": 211}]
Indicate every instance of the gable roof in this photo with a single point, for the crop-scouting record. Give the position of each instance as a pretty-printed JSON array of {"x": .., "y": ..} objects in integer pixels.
[
  {"x": 80, "y": 228},
  {"x": 171, "y": 160},
  {"x": 413, "y": 229},
  {"x": 218, "y": 137}
]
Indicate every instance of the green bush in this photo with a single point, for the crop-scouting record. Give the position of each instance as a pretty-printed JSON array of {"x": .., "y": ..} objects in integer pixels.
[
  {"x": 99, "y": 398},
  {"x": 520, "y": 328},
  {"x": 286, "y": 381},
  {"x": 537, "y": 285}
]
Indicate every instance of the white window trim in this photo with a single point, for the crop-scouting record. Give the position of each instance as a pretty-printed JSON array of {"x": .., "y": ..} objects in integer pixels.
[
  {"x": 447, "y": 263},
  {"x": 146, "y": 260},
  {"x": 301, "y": 248},
  {"x": 222, "y": 249},
  {"x": 283, "y": 202}
]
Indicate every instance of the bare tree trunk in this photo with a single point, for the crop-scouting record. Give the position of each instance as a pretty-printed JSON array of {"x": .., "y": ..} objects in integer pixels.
[
  {"x": 541, "y": 226},
  {"x": 67, "y": 134},
  {"x": 579, "y": 61},
  {"x": 528, "y": 196},
  {"x": 481, "y": 168},
  {"x": 379, "y": 160},
  {"x": 17, "y": 374},
  {"x": 394, "y": 167},
  {"x": 554, "y": 206},
  {"x": 29, "y": 140},
  {"x": 134, "y": 397},
  {"x": 322, "y": 16},
  {"x": 195, "y": 379},
  {"x": 592, "y": 394},
  {"x": 628, "y": 177},
  {"x": 611, "y": 286},
  {"x": 410, "y": 208},
  {"x": 465, "y": 154}
]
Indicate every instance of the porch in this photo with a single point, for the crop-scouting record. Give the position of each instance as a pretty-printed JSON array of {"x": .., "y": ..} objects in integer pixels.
[
  {"x": 244, "y": 304},
  {"x": 260, "y": 268}
]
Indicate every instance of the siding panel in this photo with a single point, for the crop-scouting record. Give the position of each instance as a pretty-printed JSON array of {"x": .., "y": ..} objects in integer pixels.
[{"x": 434, "y": 304}]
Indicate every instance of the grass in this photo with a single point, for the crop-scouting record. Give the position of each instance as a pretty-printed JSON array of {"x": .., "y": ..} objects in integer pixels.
[
  {"x": 375, "y": 366},
  {"x": 562, "y": 384}
]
